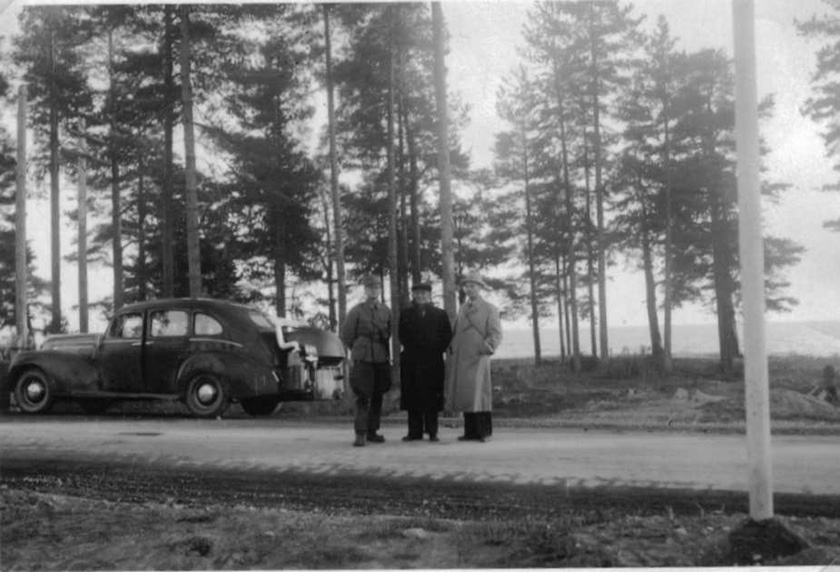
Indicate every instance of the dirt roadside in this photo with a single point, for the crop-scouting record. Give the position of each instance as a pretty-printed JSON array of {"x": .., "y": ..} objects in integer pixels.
[{"x": 76, "y": 516}]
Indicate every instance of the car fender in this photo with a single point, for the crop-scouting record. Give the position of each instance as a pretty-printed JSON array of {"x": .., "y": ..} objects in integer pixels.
[
  {"x": 69, "y": 373},
  {"x": 242, "y": 377}
]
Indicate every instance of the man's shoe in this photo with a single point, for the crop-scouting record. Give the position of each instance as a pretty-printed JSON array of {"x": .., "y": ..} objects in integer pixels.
[
  {"x": 360, "y": 441},
  {"x": 374, "y": 438},
  {"x": 465, "y": 438},
  {"x": 412, "y": 438},
  {"x": 434, "y": 438}
]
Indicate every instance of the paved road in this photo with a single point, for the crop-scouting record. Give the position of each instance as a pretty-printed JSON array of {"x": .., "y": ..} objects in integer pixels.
[{"x": 564, "y": 457}]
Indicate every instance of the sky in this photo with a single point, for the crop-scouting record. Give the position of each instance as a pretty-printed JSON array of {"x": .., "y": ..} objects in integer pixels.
[{"x": 484, "y": 38}]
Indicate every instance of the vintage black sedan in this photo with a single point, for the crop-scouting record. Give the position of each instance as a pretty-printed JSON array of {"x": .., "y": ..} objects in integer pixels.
[{"x": 206, "y": 353}]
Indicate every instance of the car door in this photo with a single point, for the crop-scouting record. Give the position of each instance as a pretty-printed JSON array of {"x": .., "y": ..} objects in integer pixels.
[
  {"x": 167, "y": 346},
  {"x": 121, "y": 354}
]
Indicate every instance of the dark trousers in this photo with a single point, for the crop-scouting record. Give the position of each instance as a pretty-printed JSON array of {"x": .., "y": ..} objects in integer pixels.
[
  {"x": 420, "y": 422},
  {"x": 376, "y": 378},
  {"x": 478, "y": 425}
]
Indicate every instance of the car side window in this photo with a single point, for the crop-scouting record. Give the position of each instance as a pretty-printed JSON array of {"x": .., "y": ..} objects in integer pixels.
[
  {"x": 127, "y": 327},
  {"x": 168, "y": 323},
  {"x": 206, "y": 325}
]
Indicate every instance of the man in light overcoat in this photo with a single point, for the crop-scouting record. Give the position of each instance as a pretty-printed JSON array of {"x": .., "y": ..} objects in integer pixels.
[{"x": 477, "y": 333}]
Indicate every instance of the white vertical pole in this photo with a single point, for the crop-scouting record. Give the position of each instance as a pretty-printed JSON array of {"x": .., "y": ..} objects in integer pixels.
[
  {"x": 752, "y": 262},
  {"x": 21, "y": 268},
  {"x": 82, "y": 199}
]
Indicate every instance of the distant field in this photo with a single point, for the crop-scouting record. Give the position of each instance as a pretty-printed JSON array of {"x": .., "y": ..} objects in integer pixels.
[{"x": 783, "y": 338}]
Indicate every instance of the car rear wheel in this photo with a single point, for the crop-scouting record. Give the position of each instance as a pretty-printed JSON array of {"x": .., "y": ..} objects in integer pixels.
[
  {"x": 260, "y": 406},
  {"x": 33, "y": 392},
  {"x": 206, "y": 396}
]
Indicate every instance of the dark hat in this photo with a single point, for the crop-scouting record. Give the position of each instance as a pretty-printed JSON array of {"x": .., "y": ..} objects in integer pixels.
[
  {"x": 475, "y": 278},
  {"x": 422, "y": 286},
  {"x": 369, "y": 280}
]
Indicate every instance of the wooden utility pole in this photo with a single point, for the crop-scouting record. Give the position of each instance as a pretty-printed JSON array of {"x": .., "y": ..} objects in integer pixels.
[
  {"x": 20, "y": 226},
  {"x": 751, "y": 249},
  {"x": 82, "y": 198},
  {"x": 444, "y": 168}
]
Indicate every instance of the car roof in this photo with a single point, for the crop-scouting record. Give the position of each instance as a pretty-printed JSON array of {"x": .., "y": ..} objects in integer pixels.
[{"x": 194, "y": 303}]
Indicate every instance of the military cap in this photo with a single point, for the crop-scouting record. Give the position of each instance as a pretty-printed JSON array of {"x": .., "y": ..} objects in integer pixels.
[
  {"x": 422, "y": 286},
  {"x": 370, "y": 280},
  {"x": 475, "y": 278}
]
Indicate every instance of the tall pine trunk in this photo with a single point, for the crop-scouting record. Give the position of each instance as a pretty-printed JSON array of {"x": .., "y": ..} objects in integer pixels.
[
  {"x": 142, "y": 213},
  {"x": 334, "y": 188},
  {"x": 21, "y": 264},
  {"x": 444, "y": 169},
  {"x": 667, "y": 361},
  {"x": 414, "y": 201},
  {"x": 55, "y": 193},
  {"x": 402, "y": 189},
  {"x": 558, "y": 276},
  {"x": 571, "y": 270},
  {"x": 193, "y": 252},
  {"x": 116, "y": 202},
  {"x": 602, "y": 242},
  {"x": 279, "y": 226},
  {"x": 590, "y": 251},
  {"x": 393, "y": 262},
  {"x": 329, "y": 262},
  {"x": 416, "y": 260},
  {"x": 532, "y": 272},
  {"x": 724, "y": 285},
  {"x": 167, "y": 222},
  {"x": 650, "y": 290}
]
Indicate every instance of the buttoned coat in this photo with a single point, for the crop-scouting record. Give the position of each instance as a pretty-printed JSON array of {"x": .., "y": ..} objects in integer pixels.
[
  {"x": 424, "y": 334},
  {"x": 477, "y": 333}
]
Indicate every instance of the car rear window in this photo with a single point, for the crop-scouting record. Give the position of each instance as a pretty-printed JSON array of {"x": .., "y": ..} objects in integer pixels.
[{"x": 207, "y": 325}]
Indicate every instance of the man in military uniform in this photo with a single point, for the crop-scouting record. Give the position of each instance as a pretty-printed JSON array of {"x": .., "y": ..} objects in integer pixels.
[
  {"x": 366, "y": 333},
  {"x": 424, "y": 334}
]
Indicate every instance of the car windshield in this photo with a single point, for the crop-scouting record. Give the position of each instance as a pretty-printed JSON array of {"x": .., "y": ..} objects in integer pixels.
[{"x": 260, "y": 319}]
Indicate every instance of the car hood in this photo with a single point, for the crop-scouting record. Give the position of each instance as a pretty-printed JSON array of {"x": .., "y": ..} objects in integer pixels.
[{"x": 71, "y": 342}]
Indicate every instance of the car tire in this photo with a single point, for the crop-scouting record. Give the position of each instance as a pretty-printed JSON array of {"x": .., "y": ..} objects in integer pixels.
[
  {"x": 94, "y": 406},
  {"x": 33, "y": 392},
  {"x": 206, "y": 396},
  {"x": 260, "y": 406}
]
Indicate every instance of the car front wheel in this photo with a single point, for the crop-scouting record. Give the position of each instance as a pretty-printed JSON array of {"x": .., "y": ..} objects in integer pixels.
[
  {"x": 33, "y": 392},
  {"x": 260, "y": 406},
  {"x": 206, "y": 396}
]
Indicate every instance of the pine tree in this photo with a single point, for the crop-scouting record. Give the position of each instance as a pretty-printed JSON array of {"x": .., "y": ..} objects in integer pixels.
[
  {"x": 47, "y": 50},
  {"x": 823, "y": 107}
]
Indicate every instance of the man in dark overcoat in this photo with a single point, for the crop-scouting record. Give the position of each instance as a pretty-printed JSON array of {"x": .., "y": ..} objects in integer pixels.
[
  {"x": 424, "y": 334},
  {"x": 367, "y": 332}
]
